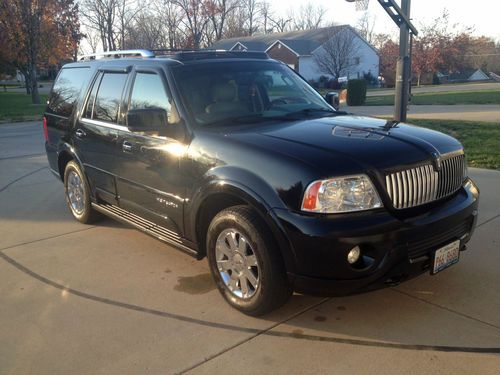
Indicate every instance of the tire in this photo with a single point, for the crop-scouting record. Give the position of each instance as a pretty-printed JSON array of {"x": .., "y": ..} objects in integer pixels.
[
  {"x": 77, "y": 193},
  {"x": 253, "y": 252}
]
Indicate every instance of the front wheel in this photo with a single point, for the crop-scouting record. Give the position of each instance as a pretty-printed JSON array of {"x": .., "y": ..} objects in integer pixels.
[
  {"x": 78, "y": 194},
  {"x": 245, "y": 263}
]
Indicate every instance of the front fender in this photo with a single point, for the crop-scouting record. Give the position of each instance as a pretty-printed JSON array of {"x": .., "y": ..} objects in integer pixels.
[{"x": 236, "y": 182}]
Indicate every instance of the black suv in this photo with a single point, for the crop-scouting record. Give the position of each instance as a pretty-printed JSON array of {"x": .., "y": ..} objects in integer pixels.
[{"x": 235, "y": 157}]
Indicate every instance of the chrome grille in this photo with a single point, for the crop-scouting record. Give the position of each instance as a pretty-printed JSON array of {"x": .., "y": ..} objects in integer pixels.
[{"x": 420, "y": 185}]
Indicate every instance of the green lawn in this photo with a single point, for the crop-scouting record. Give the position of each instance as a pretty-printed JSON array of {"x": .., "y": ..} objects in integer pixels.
[
  {"x": 17, "y": 107},
  {"x": 480, "y": 139},
  {"x": 446, "y": 98}
]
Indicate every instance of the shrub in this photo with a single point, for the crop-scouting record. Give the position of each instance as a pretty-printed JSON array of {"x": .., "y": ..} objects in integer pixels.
[{"x": 356, "y": 92}]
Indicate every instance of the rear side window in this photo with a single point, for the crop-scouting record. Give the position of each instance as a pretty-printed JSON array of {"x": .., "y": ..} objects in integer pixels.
[
  {"x": 66, "y": 90},
  {"x": 105, "y": 98}
]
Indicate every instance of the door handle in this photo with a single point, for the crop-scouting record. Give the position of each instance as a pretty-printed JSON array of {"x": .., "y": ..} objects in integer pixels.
[
  {"x": 80, "y": 133},
  {"x": 127, "y": 146}
]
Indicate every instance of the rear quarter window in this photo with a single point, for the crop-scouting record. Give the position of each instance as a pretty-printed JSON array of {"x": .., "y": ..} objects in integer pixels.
[{"x": 66, "y": 90}]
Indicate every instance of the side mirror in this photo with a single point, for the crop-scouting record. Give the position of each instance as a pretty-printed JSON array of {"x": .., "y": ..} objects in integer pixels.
[
  {"x": 332, "y": 98},
  {"x": 147, "y": 119}
]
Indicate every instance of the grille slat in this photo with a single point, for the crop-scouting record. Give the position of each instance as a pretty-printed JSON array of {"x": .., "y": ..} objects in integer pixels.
[{"x": 421, "y": 185}]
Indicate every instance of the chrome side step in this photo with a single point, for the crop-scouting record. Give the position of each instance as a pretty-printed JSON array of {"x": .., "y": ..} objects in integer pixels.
[{"x": 146, "y": 226}]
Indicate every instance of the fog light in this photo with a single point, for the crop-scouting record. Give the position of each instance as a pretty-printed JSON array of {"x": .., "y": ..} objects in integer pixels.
[{"x": 353, "y": 255}]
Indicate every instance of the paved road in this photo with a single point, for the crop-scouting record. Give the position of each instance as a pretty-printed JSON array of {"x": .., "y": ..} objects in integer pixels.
[
  {"x": 443, "y": 88},
  {"x": 107, "y": 299},
  {"x": 488, "y": 113}
]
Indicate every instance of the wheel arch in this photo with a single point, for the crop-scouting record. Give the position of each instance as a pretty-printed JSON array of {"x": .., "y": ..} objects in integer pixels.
[
  {"x": 222, "y": 194},
  {"x": 66, "y": 154}
]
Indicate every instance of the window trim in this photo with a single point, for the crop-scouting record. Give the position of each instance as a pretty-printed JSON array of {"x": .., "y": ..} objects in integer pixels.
[
  {"x": 101, "y": 73},
  {"x": 105, "y": 124},
  {"x": 97, "y": 77}
]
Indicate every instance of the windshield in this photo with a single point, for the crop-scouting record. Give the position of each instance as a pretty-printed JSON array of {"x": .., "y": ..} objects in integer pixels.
[{"x": 227, "y": 93}]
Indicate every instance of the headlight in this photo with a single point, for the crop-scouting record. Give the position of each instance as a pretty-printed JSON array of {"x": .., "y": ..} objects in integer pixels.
[{"x": 343, "y": 194}]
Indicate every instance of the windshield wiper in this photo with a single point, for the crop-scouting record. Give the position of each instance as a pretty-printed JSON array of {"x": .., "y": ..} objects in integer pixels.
[
  {"x": 247, "y": 119},
  {"x": 237, "y": 119},
  {"x": 307, "y": 111}
]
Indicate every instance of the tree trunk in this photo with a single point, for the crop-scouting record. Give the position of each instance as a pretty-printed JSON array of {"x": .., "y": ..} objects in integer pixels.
[
  {"x": 35, "y": 96},
  {"x": 418, "y": 80},
  {"x": 27, "y": 83}
]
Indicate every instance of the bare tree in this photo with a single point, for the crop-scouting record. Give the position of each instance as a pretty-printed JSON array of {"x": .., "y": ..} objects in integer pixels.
[
  {"x": 126, "y": 11},
  {"x": 217, "y": 11},
  {"x": 171, "y": 18},
  {"x": 379, "y": 40},
  {"x": 281, "y": 24},
  {"x": 310, "y": 16},
  {"x": 194, "y": 19},
  {"x": 366, "y": 26},
  {"x": 145, "y": 32},
  {"x": 339, "y": 52},
  {"x": 234, "y": 26},
  {"x": 266, "y": 14},
  {"x": 100, "y": 15},
  {"x": 93, "y": 41},
  {"x": 251, "y": 13}
]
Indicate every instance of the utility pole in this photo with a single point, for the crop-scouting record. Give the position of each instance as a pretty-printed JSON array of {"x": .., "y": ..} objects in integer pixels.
[
  {"x": 400, "y": 16},
  {"x": 403, "y": 67}
]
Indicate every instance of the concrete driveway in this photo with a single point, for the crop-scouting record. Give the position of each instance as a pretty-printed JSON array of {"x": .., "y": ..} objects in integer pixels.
[{"x": 107, "y": 299}]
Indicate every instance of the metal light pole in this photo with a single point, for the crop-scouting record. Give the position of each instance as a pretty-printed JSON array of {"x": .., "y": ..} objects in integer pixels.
[
  {"x": 403, "y": 68},
  {"x": 401, "y": 16}
]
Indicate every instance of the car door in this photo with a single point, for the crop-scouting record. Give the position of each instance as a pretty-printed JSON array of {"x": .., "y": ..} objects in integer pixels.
[
  {"x": 149, "y": 181},
  {"x": 97, "y": 132}
]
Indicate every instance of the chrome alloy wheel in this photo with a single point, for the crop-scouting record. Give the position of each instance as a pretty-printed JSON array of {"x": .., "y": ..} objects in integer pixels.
[
  {"x": 75, "y": 192},
  {"x": 237, "y": 263}
]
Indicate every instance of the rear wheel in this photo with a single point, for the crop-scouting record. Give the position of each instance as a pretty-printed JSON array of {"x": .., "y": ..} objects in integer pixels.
[
  {"x": 245, "y": 262},
  {"x": 78, "y": 194}
]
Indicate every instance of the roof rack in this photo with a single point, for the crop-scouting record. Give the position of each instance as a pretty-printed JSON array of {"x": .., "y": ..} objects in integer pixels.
[
  {"x": 218, "y": 53},
  {"x": 178, "y": 54},
  {"x": 118, "y": 54}
]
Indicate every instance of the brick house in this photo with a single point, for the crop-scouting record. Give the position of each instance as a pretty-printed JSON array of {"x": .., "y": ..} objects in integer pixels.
[{"x": 298, "y": 50}]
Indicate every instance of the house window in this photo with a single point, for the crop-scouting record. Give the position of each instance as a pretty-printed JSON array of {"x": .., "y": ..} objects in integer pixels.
[{"x": 356, "y": 61}]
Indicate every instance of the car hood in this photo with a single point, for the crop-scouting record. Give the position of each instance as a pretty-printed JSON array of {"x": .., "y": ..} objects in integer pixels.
[{"x": 373, "y": 143}]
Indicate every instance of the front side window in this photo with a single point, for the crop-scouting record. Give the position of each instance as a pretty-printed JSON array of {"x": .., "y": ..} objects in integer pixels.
[
  {"x": 149, "y": 92},
  {"x": 108, "y": 98}
]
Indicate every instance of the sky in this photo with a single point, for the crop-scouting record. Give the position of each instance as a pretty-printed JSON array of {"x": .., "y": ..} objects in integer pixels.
[{"x": 483, "y": 15}]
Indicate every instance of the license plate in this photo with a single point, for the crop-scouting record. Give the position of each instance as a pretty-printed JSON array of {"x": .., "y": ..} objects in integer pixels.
[{"x": 446, "y": 256}]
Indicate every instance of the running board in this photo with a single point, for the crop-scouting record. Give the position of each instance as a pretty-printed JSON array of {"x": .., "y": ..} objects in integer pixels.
[{"x": 146, "y": 226}]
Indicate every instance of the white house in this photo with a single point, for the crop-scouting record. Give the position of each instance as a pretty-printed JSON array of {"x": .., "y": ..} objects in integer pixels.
[{"x": 299, "y": 50}]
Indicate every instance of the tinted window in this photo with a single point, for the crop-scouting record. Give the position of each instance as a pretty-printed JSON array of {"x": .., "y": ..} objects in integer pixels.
[
  {"x": 91, "y": 100},
  {"x": 149, "y": 92},
  {"x": 67, "y": 89},
  {"x": 108, "y": 97},
  {"x": 219, "y": 93}
]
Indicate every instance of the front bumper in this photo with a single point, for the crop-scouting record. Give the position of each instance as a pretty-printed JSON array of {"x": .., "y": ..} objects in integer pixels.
[{"x": 394, "y": 248}]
